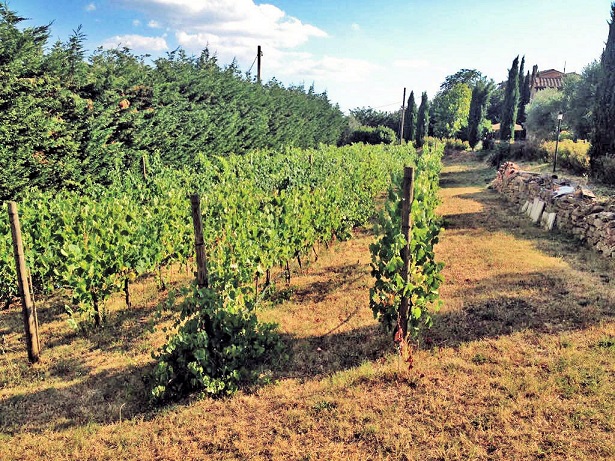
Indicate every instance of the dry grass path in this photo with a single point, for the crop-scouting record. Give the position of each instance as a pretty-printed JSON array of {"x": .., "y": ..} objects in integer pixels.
[{"x": 520, "y": 363}]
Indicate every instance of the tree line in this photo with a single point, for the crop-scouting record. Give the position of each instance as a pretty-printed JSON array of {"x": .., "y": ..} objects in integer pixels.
[
  {"x": 469, "y": 103},
  {"x": 67, "y": 119}
]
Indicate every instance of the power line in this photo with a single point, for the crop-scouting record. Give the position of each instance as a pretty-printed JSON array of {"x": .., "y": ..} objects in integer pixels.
[
  {"x": 386, "y": 105},
  {"x": 250, "y": 69}
]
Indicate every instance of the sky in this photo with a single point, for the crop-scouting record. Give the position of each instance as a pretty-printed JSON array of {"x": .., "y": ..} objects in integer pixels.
[{"x": 362, "y": 53}]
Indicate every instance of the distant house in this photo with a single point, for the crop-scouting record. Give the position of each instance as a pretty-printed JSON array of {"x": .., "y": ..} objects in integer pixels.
[{"x": 551, "y": 78}]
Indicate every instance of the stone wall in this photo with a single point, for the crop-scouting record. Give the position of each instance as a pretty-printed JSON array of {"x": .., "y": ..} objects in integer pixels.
[{"x": 561, "y": 204}]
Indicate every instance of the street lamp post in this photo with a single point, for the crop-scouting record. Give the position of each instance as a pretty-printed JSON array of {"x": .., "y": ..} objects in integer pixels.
[{"x": 560, "y": 116}]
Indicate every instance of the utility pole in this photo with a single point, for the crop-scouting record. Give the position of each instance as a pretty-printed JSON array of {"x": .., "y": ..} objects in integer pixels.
[
  {"x": 259, "y": 54},
  {"x": 403, "y": 116}
]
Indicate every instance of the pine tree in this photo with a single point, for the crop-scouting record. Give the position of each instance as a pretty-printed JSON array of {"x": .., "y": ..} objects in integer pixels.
[
  {"x": 603, "y": 138},
  {"x": 511, "y": 103},
  {"x": 422, "y": 122},
  {"x": 410, "y": 119}
]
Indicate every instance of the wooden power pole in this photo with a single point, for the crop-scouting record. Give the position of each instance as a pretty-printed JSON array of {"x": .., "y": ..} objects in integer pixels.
[
  {"x": 259, "y": 54},
  {"x": 402, "y": 119},
  {"x": 29, "y": 311}
]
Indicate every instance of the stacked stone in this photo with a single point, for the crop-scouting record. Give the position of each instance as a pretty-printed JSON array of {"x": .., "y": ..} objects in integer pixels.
[{"x": 579, "y": 213}]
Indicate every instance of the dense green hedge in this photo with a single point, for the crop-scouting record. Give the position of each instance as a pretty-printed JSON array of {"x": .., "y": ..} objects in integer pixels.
[{"x": 65, "y": 120}]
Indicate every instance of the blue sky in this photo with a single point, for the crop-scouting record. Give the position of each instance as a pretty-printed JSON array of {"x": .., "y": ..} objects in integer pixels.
[{"x": 363, "y": 53}]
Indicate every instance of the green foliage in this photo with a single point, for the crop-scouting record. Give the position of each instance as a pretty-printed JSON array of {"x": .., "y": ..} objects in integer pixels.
[
  {"x": 542, "y": 114},
  {"x": 219, "y": 346},
  {"x": 524, "y": 92},
  {"x": 469, "y": 77},
  {"x": 603, "y": 135},
  {"x": 449, "y": 111},
  {"x": 374, "y": 118},
  {"x": 259, "y": 211},
  {"x": 573, "y": 156},
  {"x": 424, "y": 274},
  {"x": 496, "y": 102},
  {"x": 454, "y": 144},
  {"x": 580, "y": 97},
  {"x": 510, "y": 106},
  {"x": 65, "y": 121},
  {"x": 410, "y": 119},
  {"x": 477, "y": 112},
  {"x": 369, "y": 135},
  {"x": 422, "y": 120}
]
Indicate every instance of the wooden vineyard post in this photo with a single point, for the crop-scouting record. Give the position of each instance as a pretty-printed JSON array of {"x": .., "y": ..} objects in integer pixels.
[
  {"x": 406, "y": 227},
  {"x": 199, "y": 244},
  {"x": 28, "y": 309}
]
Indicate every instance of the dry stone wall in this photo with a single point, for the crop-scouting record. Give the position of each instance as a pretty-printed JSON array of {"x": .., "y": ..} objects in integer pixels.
[{"x": 560, "y": 204}]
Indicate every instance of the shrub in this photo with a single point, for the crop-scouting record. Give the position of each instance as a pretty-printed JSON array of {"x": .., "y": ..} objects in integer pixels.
[
  {"x": 218, "y": 348},
  {"x": 456, "y": 144},
  {"x": 370, "y": 135},
  {"x": 571, "y": 155},
  {"x": 605, "y": 169},
  {"x": 516, "y": 151}
]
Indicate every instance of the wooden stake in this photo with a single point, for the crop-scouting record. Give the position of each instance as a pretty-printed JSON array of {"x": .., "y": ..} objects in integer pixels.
[
  {"x": 406, "y": 226},
  {"x": 199, "y": 244},
  {"x": 28, "y": 309}
]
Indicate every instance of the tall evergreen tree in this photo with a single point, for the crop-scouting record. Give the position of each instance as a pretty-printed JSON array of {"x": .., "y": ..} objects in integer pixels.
[
  {"x": 478, "y": 111},
  {"x": 522, "y": 102},
  {"x": 410, "y": 119},
  {"x": 511, "y": 103},
  {"x": 603, "y": 138},
  {"x": 422, "y": 123},
  {"x": 524, "y": 98}
]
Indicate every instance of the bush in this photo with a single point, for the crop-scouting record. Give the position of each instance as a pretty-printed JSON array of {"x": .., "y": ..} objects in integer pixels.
[
  {"x": 516, "y": 151},
  {"x": 605, "y": 169},
  {"x": 220, "y": 346},
  {"x": 456, "y": 144},
  {"x": 571, "y": 155},
  {"x": 449, "y": 143},
  {"x": 369, "y": 135}
]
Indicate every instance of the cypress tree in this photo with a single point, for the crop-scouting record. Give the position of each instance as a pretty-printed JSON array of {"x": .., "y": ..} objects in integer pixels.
[
  {"x": 478, "y": 110},
  {"x": 524, "y": 98},
  {"x": 511, "y": 103},
  {"x": 522, "y": 92},
  {"x": 410, "y": 120},
  {"x": 422, "y": 123},
  {"x": 603, "y": 138}
]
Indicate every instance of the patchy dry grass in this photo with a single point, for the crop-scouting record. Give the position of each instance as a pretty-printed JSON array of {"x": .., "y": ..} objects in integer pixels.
[{"x": 520, "y": 363}]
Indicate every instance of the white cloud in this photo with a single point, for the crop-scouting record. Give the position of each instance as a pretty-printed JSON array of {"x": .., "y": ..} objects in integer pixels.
[
  {"x": 154, "y": 24},
  {"x": 332, "y": 69},
  {"x": 411, "y": 64},
  {"x": 232, "y": 28},
  {"x": 136, "y": 22},
  {"x": 90, "y": 7},
  {"x": 356, "y": 27},
  {"x": 138, "y": 43}
]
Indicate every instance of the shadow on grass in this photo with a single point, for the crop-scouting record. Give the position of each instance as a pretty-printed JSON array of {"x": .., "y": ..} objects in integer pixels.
[
  {"x": 540, "y": 302},
  {"x": 106, "y": 397}
]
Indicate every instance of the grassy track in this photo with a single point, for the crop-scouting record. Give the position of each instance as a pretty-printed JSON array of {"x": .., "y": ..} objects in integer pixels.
[{"x": 520, "y": 363}]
